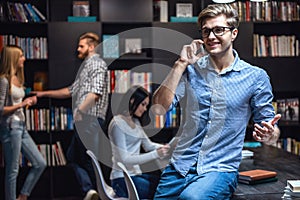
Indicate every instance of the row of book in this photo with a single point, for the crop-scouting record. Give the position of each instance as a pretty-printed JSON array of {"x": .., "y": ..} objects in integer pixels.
[
  {"x": 33, "y": 47},
  {"x": 248, "y": 11},
  {"x": 275, "y": 46},
  {"x": 268, "y": 11},
  {"x": 52, "y": 153},
  {"x": 288, "y": 144},
  {"x": 122, "y": 80},
  {"x": 61, "y": 119},
  {"x": 49, "y": 119},
  {"x": 22, "y": 12},
  {"x": 288, "y": 108},
  {"x": 172, "y": 118}
]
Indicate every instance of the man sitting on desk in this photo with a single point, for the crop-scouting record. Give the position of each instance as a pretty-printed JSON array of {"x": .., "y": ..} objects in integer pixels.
[{"x": 222, "y": 92}]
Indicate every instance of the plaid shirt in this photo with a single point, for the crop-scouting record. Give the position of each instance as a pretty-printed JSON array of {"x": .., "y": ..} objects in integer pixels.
[{"x": 92, "y": 78}]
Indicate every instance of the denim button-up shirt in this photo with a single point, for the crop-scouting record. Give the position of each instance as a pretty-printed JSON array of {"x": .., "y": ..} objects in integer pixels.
[{"x": 218, "y": 107}]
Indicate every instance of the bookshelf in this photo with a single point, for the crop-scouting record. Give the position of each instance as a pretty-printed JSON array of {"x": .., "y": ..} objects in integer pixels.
[{"x": 159, "y": 51}]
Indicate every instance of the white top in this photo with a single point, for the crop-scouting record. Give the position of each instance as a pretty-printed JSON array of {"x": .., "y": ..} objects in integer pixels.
[
  {"x": 126, "y": 144},
  {"x": 17, "y": 94}
]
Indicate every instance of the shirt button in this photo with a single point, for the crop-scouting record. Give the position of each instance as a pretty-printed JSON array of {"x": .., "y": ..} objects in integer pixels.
[
  {"x": 206, "y": 136},
  {"x": 209, "y": 122}
]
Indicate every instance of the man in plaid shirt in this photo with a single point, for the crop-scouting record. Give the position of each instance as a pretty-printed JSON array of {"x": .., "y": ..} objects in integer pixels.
[{"x": 90, "y": 101}]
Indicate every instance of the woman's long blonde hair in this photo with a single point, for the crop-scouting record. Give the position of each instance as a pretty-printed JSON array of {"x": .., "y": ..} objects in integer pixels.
[{"x": 9, "y": 60}]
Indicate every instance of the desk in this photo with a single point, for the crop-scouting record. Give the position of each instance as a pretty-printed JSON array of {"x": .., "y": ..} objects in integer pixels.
[{"x": 286, "y": 165}]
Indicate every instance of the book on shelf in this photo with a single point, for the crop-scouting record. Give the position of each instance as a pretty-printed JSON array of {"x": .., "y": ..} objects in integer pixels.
[
  {"x": 20, "y": 12},
  {"x": 292, "y": 109},
  {"x": 184, "y": 9},
  {"x": 81, "y": 8},
  {"x": 2, "y": 13},
  {"x": 281, "y": 108},
  {"x": 256, "y": 174},
  {"x": 52, "y": 153},
  {"x": 38, "y": 12},
  {"x": 171, "y": 118},
  {"x": 12, "y": 16},
  {"x": 34, "y": 15},
  {"x": 122, "y": 80},
  {"x": 160, "y": 11},
  {"x": 289, "y": 109},
  {"x": 110, "y": 46}
]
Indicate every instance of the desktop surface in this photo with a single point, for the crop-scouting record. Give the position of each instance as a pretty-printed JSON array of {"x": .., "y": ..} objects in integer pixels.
[{"x": 287, "y": 166}]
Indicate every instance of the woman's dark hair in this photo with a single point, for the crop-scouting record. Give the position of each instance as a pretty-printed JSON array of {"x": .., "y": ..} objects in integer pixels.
[{"x": 131, "y": 100}]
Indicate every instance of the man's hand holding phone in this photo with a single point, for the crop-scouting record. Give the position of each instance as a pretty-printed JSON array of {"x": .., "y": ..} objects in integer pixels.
[{"x": 192, "y": 52}]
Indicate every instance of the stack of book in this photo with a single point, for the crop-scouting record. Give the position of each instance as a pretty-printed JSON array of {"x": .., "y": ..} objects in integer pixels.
[
  {"x": 257, "y": 176},
  {"x": 292, "y": 190}
]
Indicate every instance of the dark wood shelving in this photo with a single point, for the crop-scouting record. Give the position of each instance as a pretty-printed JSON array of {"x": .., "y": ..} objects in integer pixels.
[{"x": 62, "y": 63}]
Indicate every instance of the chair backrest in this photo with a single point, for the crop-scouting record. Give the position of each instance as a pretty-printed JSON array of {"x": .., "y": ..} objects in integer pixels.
[
  {"x": 132, "y": 192},
  {"x": 105, "y": 191}
]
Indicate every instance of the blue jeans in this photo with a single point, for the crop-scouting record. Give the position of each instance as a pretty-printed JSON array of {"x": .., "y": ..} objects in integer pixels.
[
  {"x": 145, "y": 185},
  {"x": 76, "y": 155},
  {"x": 16, "y": 139},
  {"x": 211, "y": 185}
]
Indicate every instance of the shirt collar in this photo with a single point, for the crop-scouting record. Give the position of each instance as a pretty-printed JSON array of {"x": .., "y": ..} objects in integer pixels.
[{"x": 205, "y": 62}]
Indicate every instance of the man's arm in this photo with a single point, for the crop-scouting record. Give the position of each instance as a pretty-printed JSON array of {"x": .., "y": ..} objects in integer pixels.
[
  {"x": 164, "y": 95},
  {"x": 62, "y": 93},
  {"x": 89, "y": 102}
]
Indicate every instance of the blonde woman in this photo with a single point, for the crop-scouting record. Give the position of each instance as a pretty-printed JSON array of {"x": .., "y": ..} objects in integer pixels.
[{"x": 13, "y": 134}]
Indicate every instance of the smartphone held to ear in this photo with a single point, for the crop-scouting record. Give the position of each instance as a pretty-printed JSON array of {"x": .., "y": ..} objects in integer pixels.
[
  {"x": 193, "y": 51},
  {"x": 201, "y": 51}
]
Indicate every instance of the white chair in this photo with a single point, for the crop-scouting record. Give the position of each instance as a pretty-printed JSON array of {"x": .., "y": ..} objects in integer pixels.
[
  {"x": 132, "y": 192},
  {"x": 105, "y": 191}
]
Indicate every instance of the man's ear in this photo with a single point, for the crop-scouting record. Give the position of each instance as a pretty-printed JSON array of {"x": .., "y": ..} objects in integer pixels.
[
  {"x": 91, "y": 48},
  {"x": 234, "y": 34}
]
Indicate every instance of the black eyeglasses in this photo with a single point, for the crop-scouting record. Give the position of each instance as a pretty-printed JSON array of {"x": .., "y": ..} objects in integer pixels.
[{"x": 218, "y": 31}]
